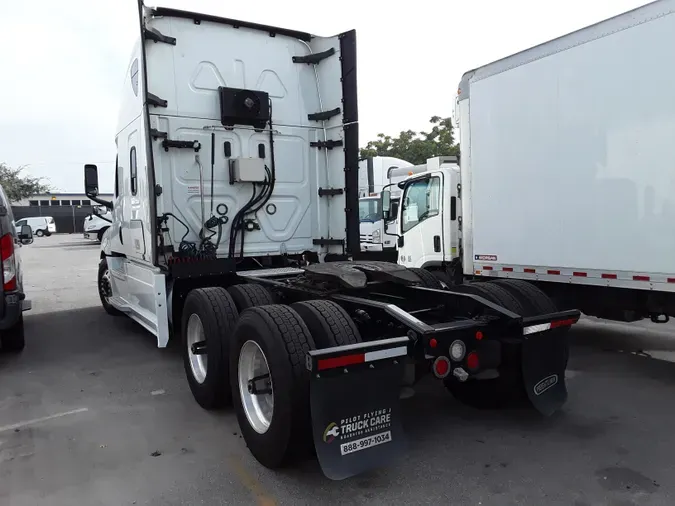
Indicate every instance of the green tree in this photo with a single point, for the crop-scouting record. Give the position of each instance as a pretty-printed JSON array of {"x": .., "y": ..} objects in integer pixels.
[
  {"x": 18, "y": 186},
  {"x": 416, "y": 147}
]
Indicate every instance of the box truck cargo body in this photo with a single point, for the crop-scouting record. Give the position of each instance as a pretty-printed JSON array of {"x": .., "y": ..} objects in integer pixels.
[{"x": 568, "y": 165}]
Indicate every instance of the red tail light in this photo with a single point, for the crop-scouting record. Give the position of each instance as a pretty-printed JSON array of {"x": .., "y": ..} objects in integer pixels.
[
  {"x": 8, "y": 262},
  {"x": 472, "y": 361}
]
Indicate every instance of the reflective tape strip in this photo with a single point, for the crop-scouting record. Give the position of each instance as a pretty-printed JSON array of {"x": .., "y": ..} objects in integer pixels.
[
  {"x": 532, "y": 329},
  {"x": 389, "y": 353},
  {"x": 360, "y": 358},
  {"x": 542, "y": 327},
  {"x": 331, "y": 363}
]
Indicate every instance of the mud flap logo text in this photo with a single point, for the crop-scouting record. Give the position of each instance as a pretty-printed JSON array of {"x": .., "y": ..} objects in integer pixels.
[
  {"x": 359, "y": 425},
  {"x": 545, "y": 384}
]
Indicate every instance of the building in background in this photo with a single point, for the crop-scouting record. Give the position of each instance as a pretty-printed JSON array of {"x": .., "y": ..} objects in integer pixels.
[{"x": 60, "y": 199}]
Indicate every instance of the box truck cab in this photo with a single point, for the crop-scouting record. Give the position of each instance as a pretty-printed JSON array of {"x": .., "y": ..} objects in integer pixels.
[{"x": 428, "y": 215}]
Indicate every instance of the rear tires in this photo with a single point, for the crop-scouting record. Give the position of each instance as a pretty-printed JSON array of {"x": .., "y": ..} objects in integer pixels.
[
  {"x": 12, "y": 340},
  {"x": 250, "y": 295},
  {"x": 507, "y": 390},
  {"x": 39, "y": 233},
  {"x": 328, "y": 323},
  {"x": 534, "y": 302},
  {"x": 427, "y": 278},
  {"x": 269, "y": 345},
  {"x": 105, "y": 288},
  {"x": 209, "y": 317},
  {"x": 443, "y": 277}
]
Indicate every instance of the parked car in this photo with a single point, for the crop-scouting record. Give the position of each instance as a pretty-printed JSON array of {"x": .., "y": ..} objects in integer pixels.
[
  {"x": 40, "y": 225},
  {"x": 13, "y": 300}
]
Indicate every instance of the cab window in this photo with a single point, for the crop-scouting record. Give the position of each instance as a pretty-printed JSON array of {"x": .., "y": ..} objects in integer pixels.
[
  {"x": 420, "y": 201},
  {"x": 369, "y": 210}
]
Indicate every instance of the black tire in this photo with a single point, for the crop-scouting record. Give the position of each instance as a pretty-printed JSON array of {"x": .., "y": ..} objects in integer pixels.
[
  {"x": 534, "y": 301},
  {"x": 284, "y": 339},
  {"x": 442, "y": 276},
  {"x": 105, "y": 289},
  {"x": 250, "y": 295},
  {"x": 218, "y": 316},
  {"x": 100, "y": 234},
  {"x": 329, "y": 324},
  {"x": 39, "y": 233},
  {"x": 12, "y": 339},
  {"x": 427, "y": 278},
  {"x": 507, "y": 390}
]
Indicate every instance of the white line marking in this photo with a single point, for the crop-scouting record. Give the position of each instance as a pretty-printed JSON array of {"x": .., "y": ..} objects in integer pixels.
[
  {"x": 158, "y": 392},
  {"x": 43, "y": 419}
]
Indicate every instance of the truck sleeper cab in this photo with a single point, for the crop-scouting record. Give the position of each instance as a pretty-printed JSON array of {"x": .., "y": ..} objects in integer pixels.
[{"x": 234, "y": 221}]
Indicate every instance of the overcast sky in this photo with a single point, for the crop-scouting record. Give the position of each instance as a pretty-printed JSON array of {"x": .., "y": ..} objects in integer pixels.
[{"x": 63, "y": 63}]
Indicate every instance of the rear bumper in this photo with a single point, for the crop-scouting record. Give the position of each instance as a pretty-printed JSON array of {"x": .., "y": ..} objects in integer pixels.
[{"x": 369, "y": 246}]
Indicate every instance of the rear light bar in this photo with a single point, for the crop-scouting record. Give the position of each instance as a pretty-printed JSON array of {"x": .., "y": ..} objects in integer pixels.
[{"x": 355, "y": 354}]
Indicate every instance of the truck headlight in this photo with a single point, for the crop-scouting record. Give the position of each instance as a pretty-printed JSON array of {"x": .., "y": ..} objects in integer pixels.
[{"x": 377, "y": 236}]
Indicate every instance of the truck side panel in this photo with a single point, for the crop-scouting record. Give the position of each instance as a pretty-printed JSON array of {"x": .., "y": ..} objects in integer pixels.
[{"x": 571, "y": 152}]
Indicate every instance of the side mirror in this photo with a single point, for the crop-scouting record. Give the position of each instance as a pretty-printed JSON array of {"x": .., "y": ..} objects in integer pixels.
[
  {"x": 385, "y": 203},
  {"x": 91, "y": 180},
  {"x": 26, "y": 234}
]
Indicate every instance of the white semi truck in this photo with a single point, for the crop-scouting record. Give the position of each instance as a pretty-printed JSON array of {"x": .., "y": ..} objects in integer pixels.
[
  {"x": 567, "y": 172},
  {"x": 234, "y": 219},
  {"x": 96, "y": 223}
]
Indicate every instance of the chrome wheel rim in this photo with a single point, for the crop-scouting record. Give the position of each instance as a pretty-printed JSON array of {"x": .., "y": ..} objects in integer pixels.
[
  {"x": 259, "y": 407},
  {"x": 198, "y": 362},
  {"x": 105, "y": 286}
]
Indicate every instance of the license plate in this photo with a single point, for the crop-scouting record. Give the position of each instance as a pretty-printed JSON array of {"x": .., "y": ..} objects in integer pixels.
[{"x": 366, "y": 442}]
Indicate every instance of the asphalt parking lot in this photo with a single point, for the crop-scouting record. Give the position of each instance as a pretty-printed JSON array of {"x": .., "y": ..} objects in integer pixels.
[{"x": 92, "y": 413}]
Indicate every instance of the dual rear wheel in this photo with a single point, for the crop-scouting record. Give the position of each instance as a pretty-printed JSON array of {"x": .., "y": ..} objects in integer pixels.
[
  {"x": 507, "y": 389},
  {"x": 240, "y": 347}
]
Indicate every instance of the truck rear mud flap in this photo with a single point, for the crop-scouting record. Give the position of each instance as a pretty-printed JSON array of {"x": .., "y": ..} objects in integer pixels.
[
  {"x": 544, "y": 359},
  {"x": 354, "y": 397}
]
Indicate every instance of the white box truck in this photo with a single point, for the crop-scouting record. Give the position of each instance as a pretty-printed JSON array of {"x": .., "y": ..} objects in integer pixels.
[{"x": 568, "y": 169}]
